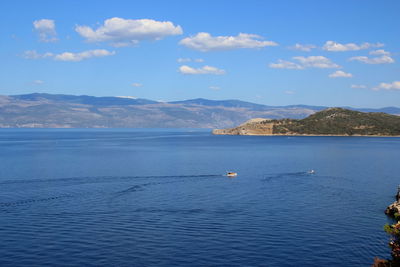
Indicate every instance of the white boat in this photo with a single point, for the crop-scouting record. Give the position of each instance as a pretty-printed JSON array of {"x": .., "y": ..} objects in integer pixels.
[{"x": 231, "y": 174}]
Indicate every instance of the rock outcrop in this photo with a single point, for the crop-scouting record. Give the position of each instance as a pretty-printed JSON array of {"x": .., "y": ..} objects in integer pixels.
[
  {"x": 256, "y": 126},
  {"x": 394, "y": 231},
  {"x": 394, "y": 208}
]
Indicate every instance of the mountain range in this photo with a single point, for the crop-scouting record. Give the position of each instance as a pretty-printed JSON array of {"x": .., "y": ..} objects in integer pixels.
[{"x": 40, "y": 110}]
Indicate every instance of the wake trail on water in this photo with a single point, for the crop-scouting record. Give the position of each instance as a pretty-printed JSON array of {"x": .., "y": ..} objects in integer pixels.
[
  {"x": 29, "y": 201},
  {"x": 103, "y": 178},
  {"x": 141, "y": 187},
  {"x": 96, "y": 179},
  {"x": 287, "y": 175}
]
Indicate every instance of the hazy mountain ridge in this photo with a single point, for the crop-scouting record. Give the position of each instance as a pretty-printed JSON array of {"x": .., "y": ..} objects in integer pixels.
[{"x": 69, "y": 111}]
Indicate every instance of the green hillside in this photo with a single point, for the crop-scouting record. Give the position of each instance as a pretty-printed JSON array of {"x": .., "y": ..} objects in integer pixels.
[{"x": 339, "y": 121}]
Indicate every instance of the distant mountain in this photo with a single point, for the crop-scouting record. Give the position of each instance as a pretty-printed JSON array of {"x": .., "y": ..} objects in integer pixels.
[
  {"x": 389, "y": 110},
  {"x": 223, "y": 103},
  {"x": 331, "y": 121},
  {"x": 70, "y": 111},
  {"x": 85, "y": 99}
]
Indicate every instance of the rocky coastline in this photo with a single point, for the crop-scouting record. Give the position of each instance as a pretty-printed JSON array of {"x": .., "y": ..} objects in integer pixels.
[{"x": 393, "y": 211}]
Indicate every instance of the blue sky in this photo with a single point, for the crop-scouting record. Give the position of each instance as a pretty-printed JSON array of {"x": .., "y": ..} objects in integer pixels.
[{"x": 333, "y": 53}]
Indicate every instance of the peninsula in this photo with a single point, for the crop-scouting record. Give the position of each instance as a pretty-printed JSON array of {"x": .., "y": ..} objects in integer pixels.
[{"x": 331, "y": 121}]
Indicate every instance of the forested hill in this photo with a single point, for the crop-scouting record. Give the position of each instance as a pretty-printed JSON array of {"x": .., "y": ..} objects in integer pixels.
[{"x": 331, "y": 121}]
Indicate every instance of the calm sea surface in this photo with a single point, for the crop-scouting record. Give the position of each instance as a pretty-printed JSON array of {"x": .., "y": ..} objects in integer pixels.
[{"x": 159, "y": 198}]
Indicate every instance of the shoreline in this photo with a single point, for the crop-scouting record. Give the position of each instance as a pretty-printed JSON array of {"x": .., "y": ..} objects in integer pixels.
[
  {"x": 310, "y": 135},
  {"x": 392, "y": 229}
]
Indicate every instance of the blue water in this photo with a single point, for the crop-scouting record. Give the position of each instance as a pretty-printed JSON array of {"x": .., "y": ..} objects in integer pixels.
[{"x": 158, "y": 198}]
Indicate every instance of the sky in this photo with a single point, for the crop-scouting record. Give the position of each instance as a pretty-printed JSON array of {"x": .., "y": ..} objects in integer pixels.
[{"x": 286, "y": 52}]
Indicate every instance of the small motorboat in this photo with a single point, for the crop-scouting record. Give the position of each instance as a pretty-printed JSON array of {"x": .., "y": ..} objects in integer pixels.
[
  {"x": 231, "y": 174},
  {"x": 311, "y": 172}
]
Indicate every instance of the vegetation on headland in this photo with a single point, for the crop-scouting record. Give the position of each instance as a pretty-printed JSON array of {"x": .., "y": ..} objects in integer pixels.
[
  {"x": 393, "y": 230},
  {"x": 331, "y": 121}
]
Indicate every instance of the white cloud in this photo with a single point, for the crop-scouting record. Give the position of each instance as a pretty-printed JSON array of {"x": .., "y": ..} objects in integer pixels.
[
  {"x": 289, "y": 92},
  {"x": 340, "y": 74},
  {"x": 305, "y": 62},
  {"x": 394, "y": 86},
  {"x": 46, "y": 29},
  {"x": 303, "y": 47},
  {"x": 283, "y": 64},
  {"x": 33, "y": 54},
  {"x": 338, "y": 47},
  {"x": 137, "y": 84},
  {"x": 215, "y": 88},
  {"x": 379, "y": 52},
  {"x": 123, "y": 32},
  {"x": 38, "y": 82},
  {"x": 68, "y": 56},
  {"x": 182, "y": 60},
  {"x": 375, "y": 60},
  {"x": 203, "y": 70},
  {"x": 204, "y": 42},
  {"x": 358, "y": 86},
  {"x": 316, "y": 62}
]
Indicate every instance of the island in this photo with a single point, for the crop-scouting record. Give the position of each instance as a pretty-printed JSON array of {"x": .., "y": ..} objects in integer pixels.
[{"x": 328, "y": 122}]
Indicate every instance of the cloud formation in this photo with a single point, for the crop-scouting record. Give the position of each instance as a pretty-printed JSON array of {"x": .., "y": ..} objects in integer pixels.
[
  {"x": 340, "y": 74},
  {"x": 33, "y": 54},
  {"x": 316, "y": 62},
  {"x": 305, "y": 62},
  {"x": 203, "y": 70},
  {"x": 215, "y": 88},
  {"x": 68, "y": 56},
  {"x": 379, "y": 52},
  {"x": 137, "y": 84},
  {"x": 46, "y": 28},
  {"x": 38, "y": 82},
  {"x": 384, "y": 59},
  {"x": 393, "y": 86},
  {"x": 358, "y": 86},
  {"x": 124, "y": 32},
  {"x": 182, "y": 60},
  {"x": 283, "y": 64},
  {"x": 204, "y": 42},
  {"x": 303, "y": 47},
  {"x": 338, "y": 47}
]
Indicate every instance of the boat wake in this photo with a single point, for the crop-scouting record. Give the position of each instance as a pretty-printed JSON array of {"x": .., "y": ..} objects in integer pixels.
[
  {"x": 288, "y": 175},
  {"x": 95, "y": 179},
  {"x": 30, "y": 201},
  {"x": 64, "y": 183}
]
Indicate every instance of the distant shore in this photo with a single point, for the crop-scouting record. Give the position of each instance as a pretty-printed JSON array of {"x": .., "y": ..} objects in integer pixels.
[{"x": 311, "y": 135}]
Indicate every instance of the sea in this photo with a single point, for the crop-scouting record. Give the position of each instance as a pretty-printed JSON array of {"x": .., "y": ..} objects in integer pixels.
[{"x": 160, "y": 197}]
